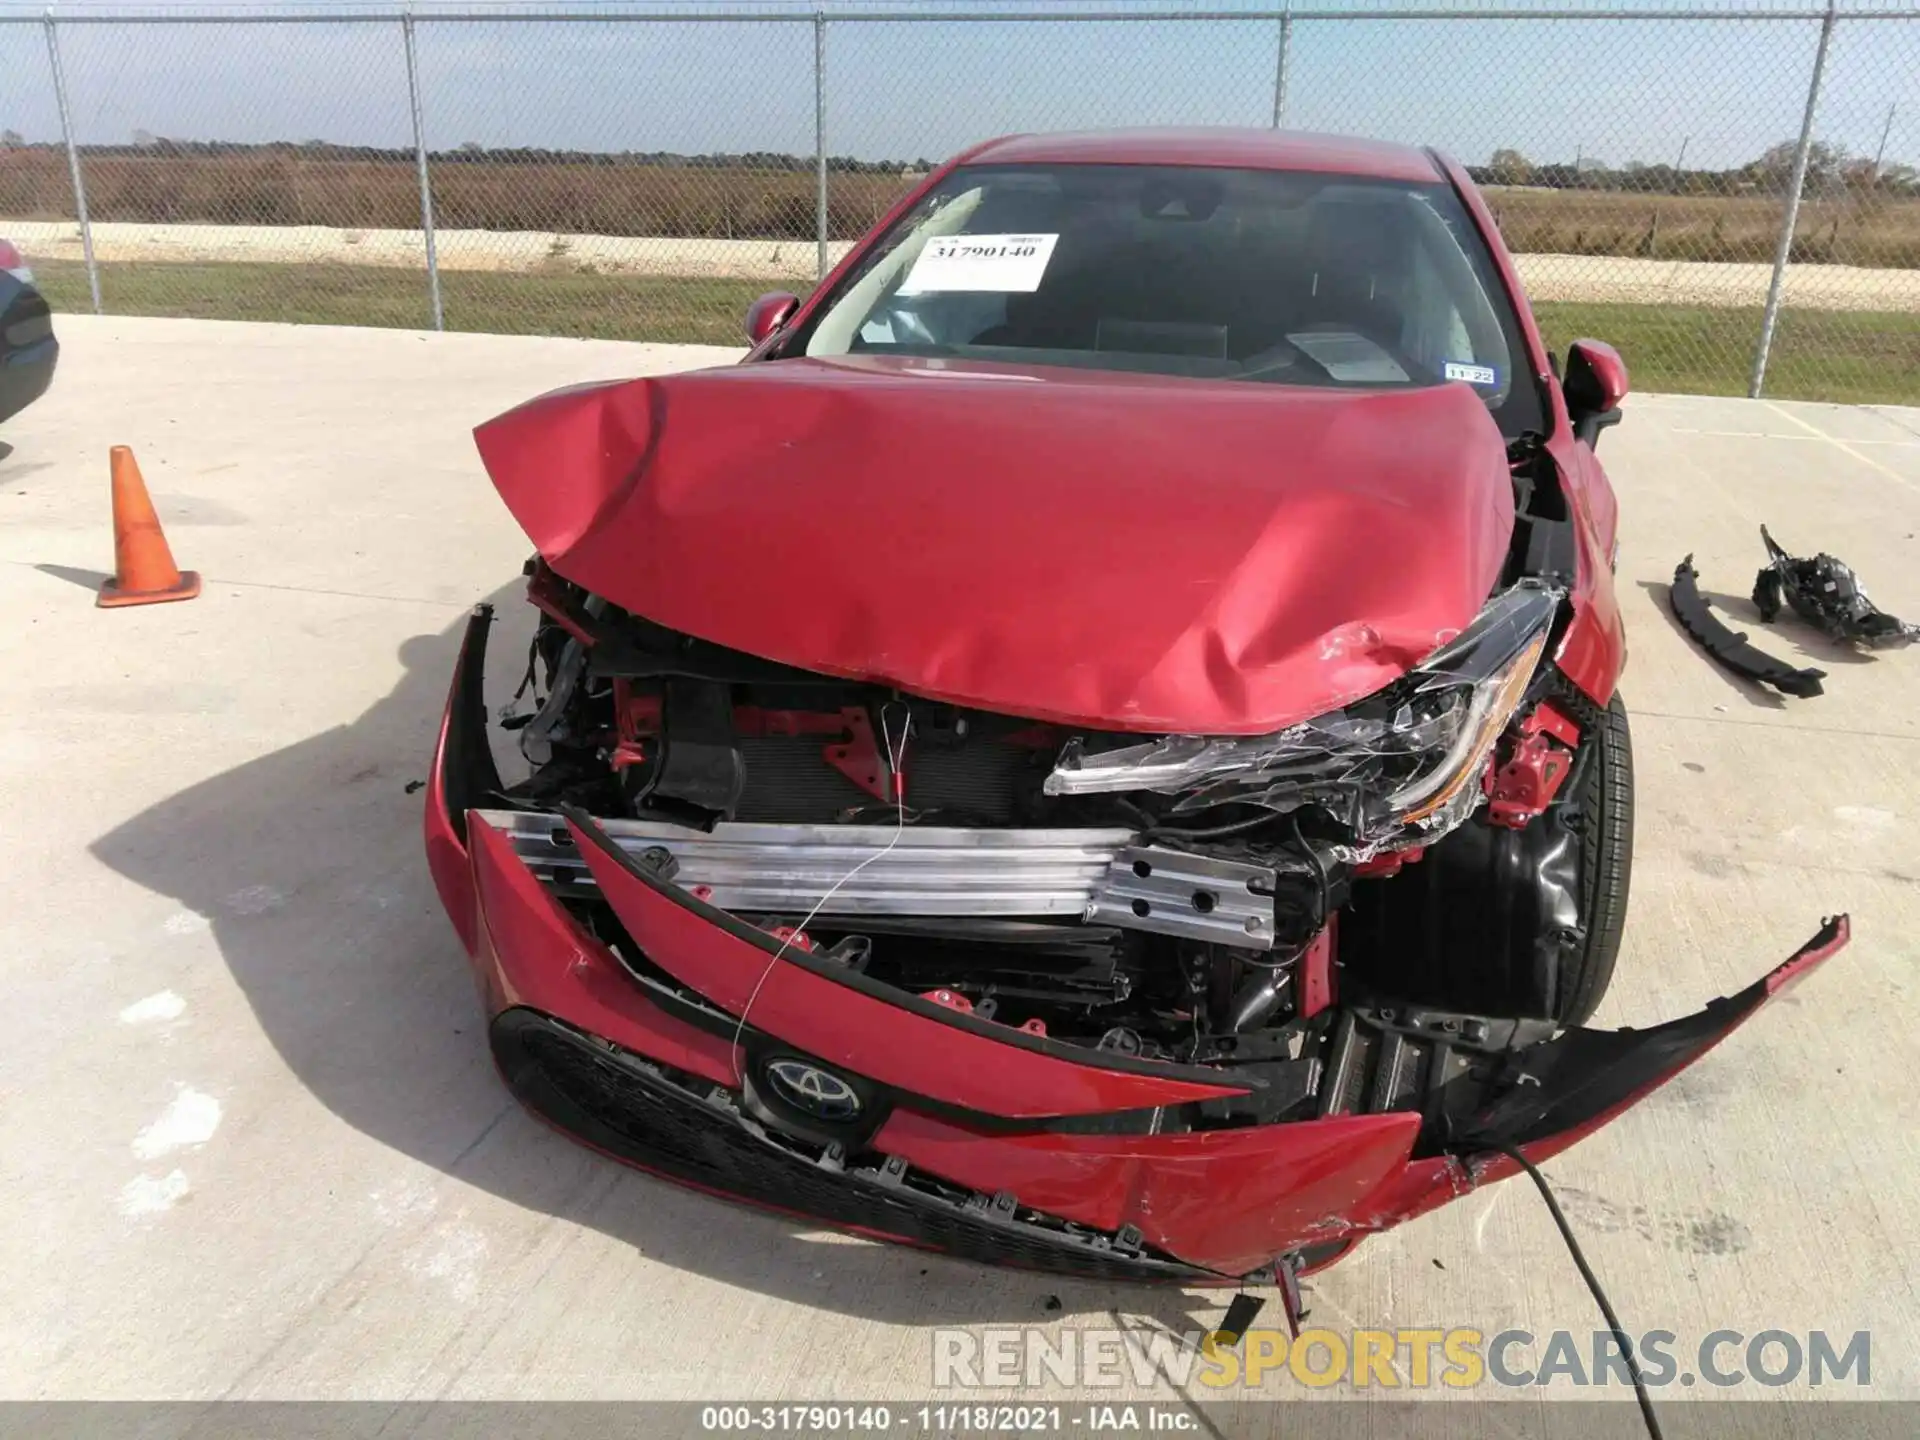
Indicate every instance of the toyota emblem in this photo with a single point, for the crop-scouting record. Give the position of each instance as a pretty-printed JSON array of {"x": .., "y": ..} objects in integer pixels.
[{"x": 819, "y": 1092}]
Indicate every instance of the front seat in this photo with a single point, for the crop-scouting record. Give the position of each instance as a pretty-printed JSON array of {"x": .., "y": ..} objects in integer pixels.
[{"x": 1358, "y": 254}]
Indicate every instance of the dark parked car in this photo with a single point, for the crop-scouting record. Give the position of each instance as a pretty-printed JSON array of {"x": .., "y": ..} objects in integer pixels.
[
  {"x": 27, "y": 347},
  {"x": 1097, "y": 746}
]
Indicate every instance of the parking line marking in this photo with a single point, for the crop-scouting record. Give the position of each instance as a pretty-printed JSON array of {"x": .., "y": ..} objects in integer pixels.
[
  {"x": 1800, "y": 439},
  {"x": 1842, "y": 445}
]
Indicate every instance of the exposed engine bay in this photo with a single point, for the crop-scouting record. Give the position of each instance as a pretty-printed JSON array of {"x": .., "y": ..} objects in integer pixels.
[{"x": 1193, "y": 899}]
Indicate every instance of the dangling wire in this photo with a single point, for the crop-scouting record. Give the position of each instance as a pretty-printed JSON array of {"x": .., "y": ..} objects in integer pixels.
[
  {"x": 895, "y": 759},
  {"x": 1620, "y": 1336}
]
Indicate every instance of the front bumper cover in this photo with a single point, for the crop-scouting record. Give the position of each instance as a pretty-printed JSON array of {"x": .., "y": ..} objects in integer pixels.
[{"x": 972, "y": 1137}]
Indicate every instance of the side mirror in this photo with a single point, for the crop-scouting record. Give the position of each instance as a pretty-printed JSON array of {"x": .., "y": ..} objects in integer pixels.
[
  {"x": 1595, "y": 384},
  {"x": 768, "y": 314}
]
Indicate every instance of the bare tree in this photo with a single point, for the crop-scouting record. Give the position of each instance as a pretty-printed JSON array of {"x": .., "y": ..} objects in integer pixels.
[
  {"x": 1774, "y": 168},
  {"x": 1510, "y": 167}
]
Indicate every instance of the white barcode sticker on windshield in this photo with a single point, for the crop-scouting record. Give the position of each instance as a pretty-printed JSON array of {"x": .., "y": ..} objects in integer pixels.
[{"x": 1006, "y": 264}]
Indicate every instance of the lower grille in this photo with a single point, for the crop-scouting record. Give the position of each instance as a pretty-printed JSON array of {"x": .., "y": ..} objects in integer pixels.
[{"x": 623, "y": 1105}]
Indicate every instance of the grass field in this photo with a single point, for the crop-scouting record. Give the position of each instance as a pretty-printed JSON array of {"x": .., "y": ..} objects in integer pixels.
[
  {"x": 1818, "y": 354},
  {"x": 1850, "y": 356},
  {"x": 619, "y": 197},
  {"x": 1880, "y": 231},
  {"x": 622, "y": 195},
  {"x": 674, "y": 308}
]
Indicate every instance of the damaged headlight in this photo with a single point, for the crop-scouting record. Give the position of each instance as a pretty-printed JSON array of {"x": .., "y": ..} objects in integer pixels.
[{"x": 1408, "y": 756}]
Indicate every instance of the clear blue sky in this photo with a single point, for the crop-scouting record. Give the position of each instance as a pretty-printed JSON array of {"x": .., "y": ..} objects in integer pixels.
[{"x": 1551, "y": 88}]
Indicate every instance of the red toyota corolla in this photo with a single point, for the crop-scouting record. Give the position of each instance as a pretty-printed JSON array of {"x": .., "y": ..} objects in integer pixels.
[{"x": 1097, "y": 746}]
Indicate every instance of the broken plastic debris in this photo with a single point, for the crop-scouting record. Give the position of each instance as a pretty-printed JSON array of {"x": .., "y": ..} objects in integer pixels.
[
  {"x": 1730, "y": 647},
  {"x": 1827, "y": 594}
]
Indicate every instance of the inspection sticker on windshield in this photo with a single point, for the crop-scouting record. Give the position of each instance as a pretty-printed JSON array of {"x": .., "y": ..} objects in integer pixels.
[
  {"x": 1006, "y": 264},
  {"x": 1472, "y": 374}
]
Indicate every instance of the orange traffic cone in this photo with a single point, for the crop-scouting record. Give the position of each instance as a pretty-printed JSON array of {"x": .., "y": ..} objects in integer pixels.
[{"x": 143, "y": 568}]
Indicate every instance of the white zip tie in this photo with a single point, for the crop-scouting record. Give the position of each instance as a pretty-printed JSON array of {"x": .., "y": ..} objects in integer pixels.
[{"x": 894, "y": 762}]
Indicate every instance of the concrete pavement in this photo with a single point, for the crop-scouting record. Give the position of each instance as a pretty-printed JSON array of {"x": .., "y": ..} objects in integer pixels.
[{"x": 252, "y": 1140}]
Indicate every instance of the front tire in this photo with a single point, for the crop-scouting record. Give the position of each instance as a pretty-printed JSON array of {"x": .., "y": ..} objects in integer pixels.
[
  {"x": 1500, "y": 922},
  {"x": 1604, "y": 823}
]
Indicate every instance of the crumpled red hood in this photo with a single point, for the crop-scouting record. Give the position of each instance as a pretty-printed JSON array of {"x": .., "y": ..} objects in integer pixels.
[{"x": 1128, "y": 552}]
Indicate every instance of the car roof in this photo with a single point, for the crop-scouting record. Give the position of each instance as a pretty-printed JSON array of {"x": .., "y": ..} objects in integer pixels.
[{"x": 1247, "y": 149}]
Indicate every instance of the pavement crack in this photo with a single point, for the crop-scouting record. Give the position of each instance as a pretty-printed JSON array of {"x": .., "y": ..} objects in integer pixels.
[
  {"x": 1774, "y": 725},
  {"x": 210, "y": 580},
  {"x": 474, "y": 1144}
]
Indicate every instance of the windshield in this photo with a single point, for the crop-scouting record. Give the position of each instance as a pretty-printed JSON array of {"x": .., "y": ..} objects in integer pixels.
[{"x": 1280, "y": 277}]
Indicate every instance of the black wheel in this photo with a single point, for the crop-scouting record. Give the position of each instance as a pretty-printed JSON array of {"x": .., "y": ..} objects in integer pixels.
[
  {"x": 1604, "y": 823},
  {"x": 1506, "y": 922}
]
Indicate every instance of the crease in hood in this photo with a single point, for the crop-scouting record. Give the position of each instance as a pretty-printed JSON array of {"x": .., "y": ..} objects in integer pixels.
[{"x": 1118, "y": 551}]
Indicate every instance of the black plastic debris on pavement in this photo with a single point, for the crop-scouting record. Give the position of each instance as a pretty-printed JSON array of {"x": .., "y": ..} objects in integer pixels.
[
  {"x": 1826, "y": 594},
  {"x": 1730, "y": 647}
]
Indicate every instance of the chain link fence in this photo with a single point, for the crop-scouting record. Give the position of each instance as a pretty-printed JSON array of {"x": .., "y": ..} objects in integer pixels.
[{"x": 1730, "y": 193}]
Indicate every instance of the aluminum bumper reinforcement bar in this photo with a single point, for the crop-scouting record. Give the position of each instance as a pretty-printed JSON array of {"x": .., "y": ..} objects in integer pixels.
[{"x": 1082, "y": 874}]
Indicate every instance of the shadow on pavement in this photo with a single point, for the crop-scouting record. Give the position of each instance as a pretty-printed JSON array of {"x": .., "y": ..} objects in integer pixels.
[
  {"x": 1791, "y": 632},
  {"x": 309, "y": 864},
  {"x": 19, "y": 469},
  {"x": 74, "y": 575}
]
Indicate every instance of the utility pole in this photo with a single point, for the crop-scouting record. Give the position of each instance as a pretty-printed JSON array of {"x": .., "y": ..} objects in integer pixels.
[
  {"x": 1281, "y": 66},
  {"x": 820, "y": 144},
  {"x": 435, "y": 306},
  {"x": 1881, "y": 153},
  {"x": 73, "y": 160},
  {"x": 1770, "y": 316}
]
